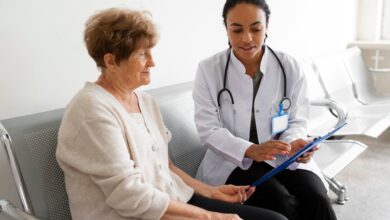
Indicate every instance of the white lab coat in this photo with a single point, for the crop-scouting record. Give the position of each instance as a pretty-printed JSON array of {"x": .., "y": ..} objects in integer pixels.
[{"x": 227, "y": 139}]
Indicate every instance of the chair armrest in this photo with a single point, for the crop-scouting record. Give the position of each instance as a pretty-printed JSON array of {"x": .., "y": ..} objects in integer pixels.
[
  {"x": 9, "y": 212},
  {"x": 339, "y": 108},
  {"x": 6, "y": 140}
]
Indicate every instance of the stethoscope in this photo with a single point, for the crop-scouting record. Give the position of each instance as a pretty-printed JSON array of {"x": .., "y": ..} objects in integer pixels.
[{"x": 284, "y": 103}]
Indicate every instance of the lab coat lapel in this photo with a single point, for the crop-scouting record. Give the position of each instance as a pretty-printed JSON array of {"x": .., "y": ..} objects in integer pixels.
[{"x": 241, "y": 86}]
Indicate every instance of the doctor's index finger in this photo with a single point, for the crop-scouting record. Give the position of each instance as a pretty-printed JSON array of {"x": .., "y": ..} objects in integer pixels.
[
  {"x": 274, "y": 149},
  {"x": 281, "y": 145}
]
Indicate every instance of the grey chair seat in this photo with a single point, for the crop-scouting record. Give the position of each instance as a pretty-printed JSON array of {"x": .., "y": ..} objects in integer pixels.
[{"x": 335, "y": 155}]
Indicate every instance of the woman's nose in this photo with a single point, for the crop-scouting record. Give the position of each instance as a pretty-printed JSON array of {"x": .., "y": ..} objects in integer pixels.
[
  {"x": 247, "y": 37},
  {"x": 151, "y": 61}
]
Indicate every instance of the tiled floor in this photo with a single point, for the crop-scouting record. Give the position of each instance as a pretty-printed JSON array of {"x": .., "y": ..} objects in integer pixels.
[{"x": 368, "y": 182}]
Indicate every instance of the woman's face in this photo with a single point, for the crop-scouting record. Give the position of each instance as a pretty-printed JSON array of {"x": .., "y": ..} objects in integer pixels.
[
  {"x": 246, "y": 28},
  {"x": 135, "y": 70}
]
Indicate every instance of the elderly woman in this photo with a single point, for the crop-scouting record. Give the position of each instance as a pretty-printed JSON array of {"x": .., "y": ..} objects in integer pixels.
[{"x": 112, "y": 142}]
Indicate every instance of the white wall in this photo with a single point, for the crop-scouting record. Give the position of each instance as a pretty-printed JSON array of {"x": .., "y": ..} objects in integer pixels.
[
  {"x": 370, "y": 20},
  {"x": 43, "y": 62},
  {"x": 386, "y": 20},
  {"x": 312, "y": 27}
]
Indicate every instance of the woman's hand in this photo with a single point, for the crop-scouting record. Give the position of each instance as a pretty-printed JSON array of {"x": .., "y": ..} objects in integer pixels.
[
  {"x": 267, "y": 150},
  {"x": 182, "y": 211},
  {"x": 222, "y": 216},
  {"x": 297, "y": 145},
  {"x": 232, "y": 193}
]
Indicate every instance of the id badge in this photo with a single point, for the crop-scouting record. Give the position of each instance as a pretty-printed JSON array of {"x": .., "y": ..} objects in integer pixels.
[{"x": 279, "y": 123}]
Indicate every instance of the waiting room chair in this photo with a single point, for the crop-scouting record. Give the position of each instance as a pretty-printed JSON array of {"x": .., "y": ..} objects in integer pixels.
[
  {"x": 369, "y": 120},
  {"x": 334, "y": 155},
  {"x": 325, "y": 113},
  {"x": 361, "y": 78}
]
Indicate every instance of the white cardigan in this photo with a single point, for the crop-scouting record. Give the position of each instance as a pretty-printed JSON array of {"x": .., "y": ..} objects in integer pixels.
[{"x": 113, "y": 169}]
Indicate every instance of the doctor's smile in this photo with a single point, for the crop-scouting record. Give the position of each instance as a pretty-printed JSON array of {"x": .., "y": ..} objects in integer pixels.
[{"x": 248, "y": 49}]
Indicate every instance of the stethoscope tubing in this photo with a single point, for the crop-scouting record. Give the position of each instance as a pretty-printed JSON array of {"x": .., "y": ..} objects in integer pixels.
[{"x": 225, "y": 89}]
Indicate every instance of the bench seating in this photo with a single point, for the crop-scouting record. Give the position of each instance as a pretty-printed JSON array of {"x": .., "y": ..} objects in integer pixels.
[
  {"x": 333, "y": 74},
  {"x": 321, "y": 117},
  {"x": 335, "y": 155},
  {"x": 29, "y": 143}
]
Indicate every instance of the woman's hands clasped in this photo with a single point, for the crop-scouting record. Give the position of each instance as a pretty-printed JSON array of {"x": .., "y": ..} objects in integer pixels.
[
  {"x": 223, "y": 216},
  {"x": 231, "y": 193}
]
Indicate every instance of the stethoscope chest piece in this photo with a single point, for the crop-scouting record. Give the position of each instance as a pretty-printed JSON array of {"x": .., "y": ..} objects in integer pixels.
[{"x": 285, "y": 104}]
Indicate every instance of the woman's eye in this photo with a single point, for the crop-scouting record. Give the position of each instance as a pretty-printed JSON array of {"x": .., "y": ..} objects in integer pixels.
[
  {"x": 257, "y": 29},
  {"x": 237, "y": 30}
]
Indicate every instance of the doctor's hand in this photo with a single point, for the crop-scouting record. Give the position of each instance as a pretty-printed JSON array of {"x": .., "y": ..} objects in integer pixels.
[
  {"x": 232, "y": 193},
  {"x": 297, "y": 145},
  {"x": 267, "y": 150}
]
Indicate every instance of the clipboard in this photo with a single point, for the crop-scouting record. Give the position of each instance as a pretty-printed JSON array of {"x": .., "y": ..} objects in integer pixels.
[{"x": 299, "y": 153}]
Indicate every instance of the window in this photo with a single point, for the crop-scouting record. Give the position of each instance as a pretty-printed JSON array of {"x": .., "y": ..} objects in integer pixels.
[{"x": 386, "y": 20}]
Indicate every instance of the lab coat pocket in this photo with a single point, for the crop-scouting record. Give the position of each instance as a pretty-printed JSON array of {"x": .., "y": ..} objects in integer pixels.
[{"x": 210, "y": 164}]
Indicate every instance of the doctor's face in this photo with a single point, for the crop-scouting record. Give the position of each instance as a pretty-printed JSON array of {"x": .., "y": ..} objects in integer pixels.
[{"x": 246, "y": 28}]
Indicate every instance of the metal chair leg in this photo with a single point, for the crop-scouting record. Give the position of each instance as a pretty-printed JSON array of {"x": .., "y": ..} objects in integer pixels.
[
  {"x": 339, "y": 189},
  {"x": 9, "y": 212}
]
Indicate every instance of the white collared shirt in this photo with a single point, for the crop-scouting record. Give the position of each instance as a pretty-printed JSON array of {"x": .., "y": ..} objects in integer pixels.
[{"x": 225, "y": 129}]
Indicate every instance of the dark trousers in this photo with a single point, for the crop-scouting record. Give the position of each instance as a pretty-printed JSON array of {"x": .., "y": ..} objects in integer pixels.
[
  {"x": 298, "y": 194},
  {"x": 244, "y": 211}
]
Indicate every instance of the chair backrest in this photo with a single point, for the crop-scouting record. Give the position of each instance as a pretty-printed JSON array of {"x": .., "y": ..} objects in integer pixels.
[
  {"x": 360, "y": 74},
  {"x": 34, "y": 141},
  {"x": 316, "y": 93},
  {"x": 336, "y": 79},
  {"x": 177, "y": 108},
  {"x": 315, "y": 89}
]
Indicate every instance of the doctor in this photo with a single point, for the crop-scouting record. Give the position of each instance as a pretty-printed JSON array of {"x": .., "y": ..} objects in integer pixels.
[{"x": 251, "y": 111}]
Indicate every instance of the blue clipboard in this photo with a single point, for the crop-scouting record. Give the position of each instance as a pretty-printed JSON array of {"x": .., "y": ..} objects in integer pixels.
[{"x": 293, "y": 158}]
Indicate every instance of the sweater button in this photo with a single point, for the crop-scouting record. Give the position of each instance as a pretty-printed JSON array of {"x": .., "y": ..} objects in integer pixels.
[{"x": 154, "y": 148}]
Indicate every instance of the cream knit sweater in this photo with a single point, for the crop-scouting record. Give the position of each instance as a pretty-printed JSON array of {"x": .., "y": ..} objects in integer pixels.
[{"x": 114, "y": 168}]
